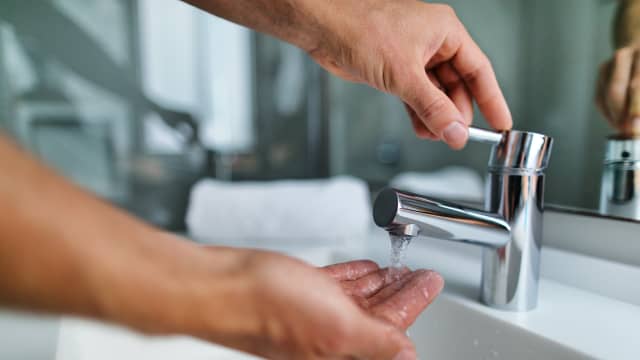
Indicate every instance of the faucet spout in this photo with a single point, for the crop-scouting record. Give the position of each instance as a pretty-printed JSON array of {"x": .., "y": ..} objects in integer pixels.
[{"x": 395, "y": 210}]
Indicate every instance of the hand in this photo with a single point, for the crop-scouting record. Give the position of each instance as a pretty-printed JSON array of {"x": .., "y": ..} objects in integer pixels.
[
  {"x": 415, "y": 50},
  {"x": 420, "y": 52},
  {"x": 397, "y": 298},
  {"x": 278, "y": 307},
  {"x": 618, "y": 92}
]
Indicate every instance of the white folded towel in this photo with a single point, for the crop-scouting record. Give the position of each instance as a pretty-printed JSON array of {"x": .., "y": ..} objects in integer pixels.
[
  {"x": 292, "y": 212},
  {"x": 450, "y": 183}
]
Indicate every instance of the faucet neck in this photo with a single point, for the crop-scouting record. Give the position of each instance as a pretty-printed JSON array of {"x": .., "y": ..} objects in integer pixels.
[{"x": 395, "y": 210}]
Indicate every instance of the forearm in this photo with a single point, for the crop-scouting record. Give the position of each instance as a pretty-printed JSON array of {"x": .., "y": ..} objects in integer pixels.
[
  {"x": 308, "y": 24},
  {"x": 627, "y": 23},
  {"x": 65, "y": 251}
]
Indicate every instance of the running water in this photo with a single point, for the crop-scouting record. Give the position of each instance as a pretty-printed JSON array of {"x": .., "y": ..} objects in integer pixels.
[{"x": 399, "y": 244}]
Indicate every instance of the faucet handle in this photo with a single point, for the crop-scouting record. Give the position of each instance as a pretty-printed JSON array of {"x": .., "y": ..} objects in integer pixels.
[
  {"x": 485, "y": 136},
  {"x": 515, "y": 150},
  {"x": 521, "y": 151}
]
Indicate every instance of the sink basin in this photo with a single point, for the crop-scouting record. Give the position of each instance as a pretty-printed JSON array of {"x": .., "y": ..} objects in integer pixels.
[{"x": 452, "y": 330}]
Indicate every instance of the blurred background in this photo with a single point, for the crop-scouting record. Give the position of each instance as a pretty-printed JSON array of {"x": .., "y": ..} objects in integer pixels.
[{"x": 136, "y": 100}]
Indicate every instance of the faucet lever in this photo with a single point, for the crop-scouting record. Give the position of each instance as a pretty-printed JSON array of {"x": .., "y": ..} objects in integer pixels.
[{"x": 484, "y": 136}]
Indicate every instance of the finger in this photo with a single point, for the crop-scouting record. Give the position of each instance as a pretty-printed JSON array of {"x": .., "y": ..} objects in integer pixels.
[
  {"x": 373, "y": 339},
  {"x": 368, "y": 285},
  {"x": 351, "y": 270},
  {"x": 631, "y": 122},
  {"x": 434, "y": 80},
  {"x": 395, "y": 273},
  {"x": 457, "y": 90},
  {"x": 435, "y": 110},
  {"x": 419, "y": 127},
  {"x": 603, "y": 78},
  {"x": 391, "y": 288},
  {"x": 475, "y": 69},
  {"x": 447, "y": 80},
  {"x": 616, "y": 93},
  {"x": 403, "y": 307}
]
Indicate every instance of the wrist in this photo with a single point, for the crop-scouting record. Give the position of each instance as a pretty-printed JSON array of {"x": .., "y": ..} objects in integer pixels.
[
  {"x": 140, "y": 279},
  {"x": 179, "y": 287}
]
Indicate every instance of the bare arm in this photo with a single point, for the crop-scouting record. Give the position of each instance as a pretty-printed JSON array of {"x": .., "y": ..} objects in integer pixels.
[
  {"x": 63, "y": 250},
  {"x": 296, "y": 21},
  {"x": 417, "y": 51}
]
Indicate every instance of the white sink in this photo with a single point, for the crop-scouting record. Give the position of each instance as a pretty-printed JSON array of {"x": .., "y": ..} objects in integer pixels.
[{"x": 451, "y": 330}]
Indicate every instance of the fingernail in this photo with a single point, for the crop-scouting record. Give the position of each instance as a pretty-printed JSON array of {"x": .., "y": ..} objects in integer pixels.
[
  {"x": 455, "y": 134},
  {"x": 405, "y": 355}
]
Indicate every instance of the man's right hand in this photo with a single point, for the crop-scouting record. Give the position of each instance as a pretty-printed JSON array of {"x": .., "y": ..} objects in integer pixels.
[{"x": 420, "y": 52}]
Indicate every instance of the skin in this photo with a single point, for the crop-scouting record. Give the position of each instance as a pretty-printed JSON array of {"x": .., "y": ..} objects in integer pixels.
[
  {"x": 65, "y": 251},
  {"x": 618, "y": 87},
  {"x": 417, "y": 51}
]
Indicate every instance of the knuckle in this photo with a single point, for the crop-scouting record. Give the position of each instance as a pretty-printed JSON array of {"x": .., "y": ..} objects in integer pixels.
[
  {"x": 432, "y": 109},
  {"x": 394, "y": 318},
  {"x": 481, "y": 66},
  {"x": 616, "y": 92},
  {"x": 621, "y": 55},
  {"x": 392, "y": 77}
]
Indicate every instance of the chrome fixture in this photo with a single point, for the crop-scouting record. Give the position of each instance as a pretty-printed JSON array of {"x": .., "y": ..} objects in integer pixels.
[
  {"x": 621, "y": 178},
  {"x": 510, "y": 227}
]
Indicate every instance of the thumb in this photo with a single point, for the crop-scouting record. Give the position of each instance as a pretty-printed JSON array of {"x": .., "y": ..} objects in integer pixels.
[
  {"x": 375, "y": 339},
  {"x": 436, "y": 110}
]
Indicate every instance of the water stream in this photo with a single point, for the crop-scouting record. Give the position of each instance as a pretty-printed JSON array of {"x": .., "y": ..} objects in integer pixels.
[{"x": 398, "y": 255}]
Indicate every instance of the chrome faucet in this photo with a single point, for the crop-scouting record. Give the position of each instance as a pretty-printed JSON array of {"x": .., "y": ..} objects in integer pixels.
[{"x": 510, "y": 227}]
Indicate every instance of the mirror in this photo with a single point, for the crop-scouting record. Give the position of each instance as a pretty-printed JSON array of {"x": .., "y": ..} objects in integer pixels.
[{"x": 161, "y": 94}]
